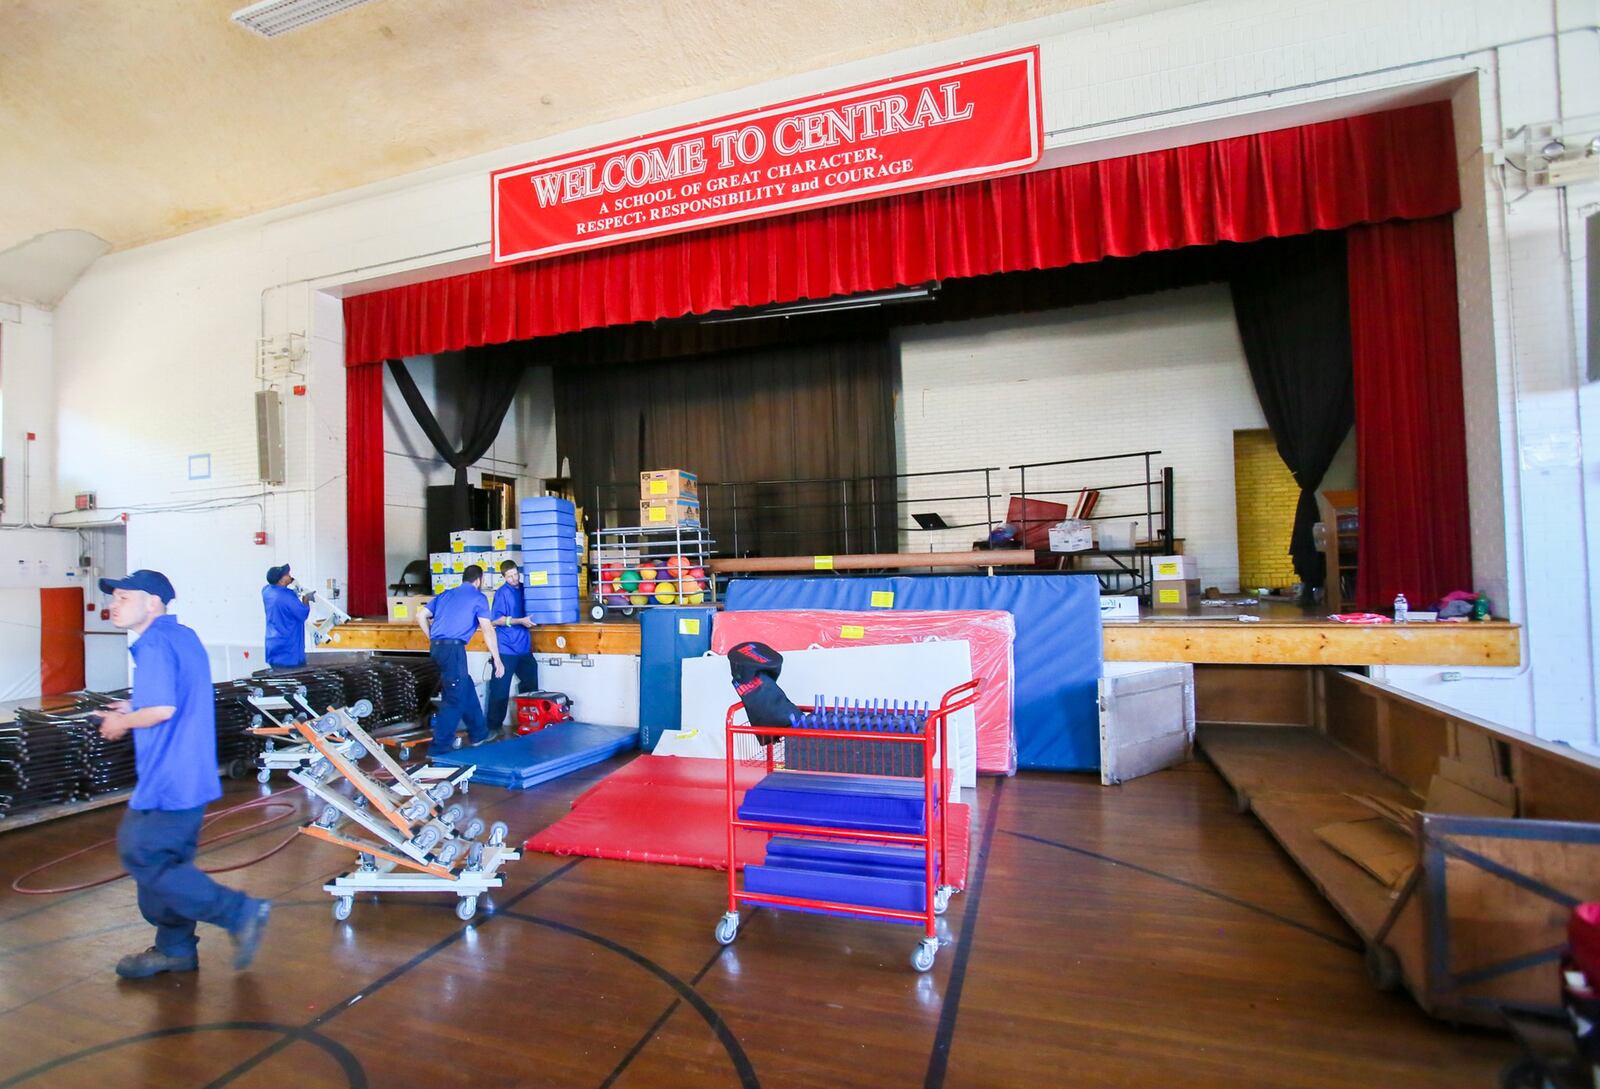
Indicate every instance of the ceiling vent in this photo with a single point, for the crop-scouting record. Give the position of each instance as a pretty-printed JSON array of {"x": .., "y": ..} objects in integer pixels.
[{"x": 270, "y": 18}]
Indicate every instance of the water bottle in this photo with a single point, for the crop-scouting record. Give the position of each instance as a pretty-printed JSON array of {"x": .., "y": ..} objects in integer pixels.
[{"x": 1401, "y": 608}]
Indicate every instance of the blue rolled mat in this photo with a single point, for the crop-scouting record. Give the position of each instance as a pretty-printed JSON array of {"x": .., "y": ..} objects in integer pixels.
[
  {"x": 536, "y": 758},
  {"x": 1057, "y": 654}
]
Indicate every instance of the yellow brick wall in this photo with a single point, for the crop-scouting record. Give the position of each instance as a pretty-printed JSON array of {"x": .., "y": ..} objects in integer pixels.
[{"x": 1266, "y": 495}]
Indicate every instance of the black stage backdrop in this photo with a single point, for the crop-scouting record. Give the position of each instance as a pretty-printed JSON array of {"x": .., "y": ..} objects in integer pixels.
[{"x": 818, "y": 411}]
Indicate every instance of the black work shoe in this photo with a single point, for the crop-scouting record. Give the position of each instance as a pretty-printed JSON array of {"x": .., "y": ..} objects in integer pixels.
[
  {"x": 247, "y": 935},
  {"x": 152, "y": 962}
]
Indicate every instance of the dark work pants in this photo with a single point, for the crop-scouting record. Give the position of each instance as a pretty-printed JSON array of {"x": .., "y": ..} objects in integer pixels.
[
  {"x": 526, "y": 670},
  {"x": 157, "y": 848},
  {"x": 458, "y": 699}
]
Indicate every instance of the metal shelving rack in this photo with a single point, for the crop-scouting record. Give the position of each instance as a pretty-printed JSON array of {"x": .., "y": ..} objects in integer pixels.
[{"x": 633, "y": 547}]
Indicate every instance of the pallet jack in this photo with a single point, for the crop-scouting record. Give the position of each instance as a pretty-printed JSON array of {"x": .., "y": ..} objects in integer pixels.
[{"x": 406, "y": 836}]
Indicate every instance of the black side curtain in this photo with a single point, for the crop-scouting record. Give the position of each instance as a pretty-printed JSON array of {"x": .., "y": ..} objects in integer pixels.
[
  {"x": 485, "y": 381},
  {"x": 820, "y": 412},
  {"x": 1291, "y": 299}
]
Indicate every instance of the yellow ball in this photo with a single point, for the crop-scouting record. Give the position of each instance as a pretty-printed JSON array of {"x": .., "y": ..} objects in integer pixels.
[
  {"x": 647, "y": 574},
  {"x": 693, "y": 599},
  {"x": 665, "y": 593},
  {"x": 638, "y": 599}
]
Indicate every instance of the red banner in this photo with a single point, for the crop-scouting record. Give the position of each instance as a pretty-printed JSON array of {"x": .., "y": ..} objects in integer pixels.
[{"x": 951, "y": 124}]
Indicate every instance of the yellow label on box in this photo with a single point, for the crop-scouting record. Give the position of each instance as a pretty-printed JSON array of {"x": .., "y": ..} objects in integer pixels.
[
  {"x": 883, "y": 599},
  {"x": 658, "y": 487},
  {"x": 438, "y": 567},
  {"x": 1169, "y": 567},
  {"x": 658, "y": 514},
  {"x": 1168, "y": 597},
  {"x": 822, "y": 563},
  {"x": 458, "y": 546},
  {"x": 852, "y": 631},
  {"x": 400, "y": 610},
  {"x": 689, "y": 626},
  {"x": 538, "y": 578}
]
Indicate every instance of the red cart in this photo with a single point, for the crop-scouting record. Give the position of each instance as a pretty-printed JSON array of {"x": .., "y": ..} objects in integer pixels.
[{"x": 928, "y": 746}]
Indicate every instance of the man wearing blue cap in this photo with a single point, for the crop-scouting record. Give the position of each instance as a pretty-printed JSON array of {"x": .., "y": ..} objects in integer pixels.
[
  {"x": 286, "y": 620},
  {"x": 172, "y": 716},
  {"x": 510, "y": 614},
  {"x": 449, "y": 621}
]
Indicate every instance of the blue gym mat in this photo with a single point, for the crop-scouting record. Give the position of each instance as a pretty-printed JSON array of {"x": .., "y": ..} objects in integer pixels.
[
  {"x": 666, "y": 638},
  {"x": 554, "y": 751},
  {"x": 1057, "y": 653}
]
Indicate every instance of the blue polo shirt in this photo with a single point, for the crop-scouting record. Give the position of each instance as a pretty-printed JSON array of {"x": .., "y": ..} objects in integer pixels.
[
  {"x": 286, "y": 630},
  {"x": 177, "y": 759},
  {"x": 514, "y": 638},
  {"x": 456, "y": 613}
]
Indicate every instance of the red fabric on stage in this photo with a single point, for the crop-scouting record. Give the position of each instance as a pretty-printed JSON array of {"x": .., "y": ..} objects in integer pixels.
[
  {"x": 364, "y": 489},
  {"x": 1398, "y": 164},
  {"x": 674, "y": 810},
  {"x": 1411, "y": 446}
]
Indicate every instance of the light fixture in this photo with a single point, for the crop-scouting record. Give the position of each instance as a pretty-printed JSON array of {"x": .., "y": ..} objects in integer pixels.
[
  {"x": 864, "y": 301},
  {"x": 269, "y": 18},
  {"x": 1554, "y": 149}
]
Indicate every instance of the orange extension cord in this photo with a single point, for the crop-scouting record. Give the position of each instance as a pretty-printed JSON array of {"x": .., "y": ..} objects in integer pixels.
[{"x": 271, "y": 800}]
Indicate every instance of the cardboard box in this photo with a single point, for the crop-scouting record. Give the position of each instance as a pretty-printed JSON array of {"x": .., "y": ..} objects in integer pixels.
[
  {"x": 1375, "y": 845},
  {"x": 668, "y": 484},
  {"x": 1174, "y": 569},
  {"x": 669, "y": 512},
  {"x": 1071, "y": 537},
  {"x": 1171, "y": 594},
  {"x": 403, "y": 608},
  {"x": 471, "y": 540},
  {"x": 1118, "y": 607},
  {"x": 441, "y": 562},
  {"x": 505, "y": 540}
]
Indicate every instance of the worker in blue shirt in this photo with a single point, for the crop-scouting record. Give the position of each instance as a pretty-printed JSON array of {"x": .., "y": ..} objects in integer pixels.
[
  {"x": 286, "y": 619},
  {"x": 449, "y": 621},
  {"x": 510, "y": 614},
  {"x": 172, "y": 716}
]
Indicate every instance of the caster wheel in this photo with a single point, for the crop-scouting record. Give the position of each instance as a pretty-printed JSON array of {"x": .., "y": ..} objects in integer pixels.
[
  {"x": 453, "y": 814},
  {"x": 466, "y": 908},
  {"x": 597, "y": 612},
  {"x": 727, "y": 928},
  {"x": 263, "y": 776},
  {"x": 358, "y": 751},
  {"x": 342, "y": 908},
  {"x": 320, "y": 768},
  {"x": 237, "y": 769},
  {"x": 922, "y": 956},
  {"x": 329, "y": 817},
  {"x": 361, "y": 801},
  {"x": 368, "y": 863},
  {"x": 497, "y": 833},
  {"x": 425, "y": 838},
  {"x": 414, "y": 810},
  {"x": 474, "y": 829},
  {"x": 475, "y": 857},
  {"x": 448, "y": 853},
  {"x": 628, "y": 611},
  {"x": 441, "y": 793},
  {"x": 1383, "y": 967},
  {"x": 405, "y": 752},
  {"x": 941, "y": 901}
]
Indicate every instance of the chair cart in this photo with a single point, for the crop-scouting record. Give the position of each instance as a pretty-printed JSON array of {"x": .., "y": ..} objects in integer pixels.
[{"x": 854, "y": 808}]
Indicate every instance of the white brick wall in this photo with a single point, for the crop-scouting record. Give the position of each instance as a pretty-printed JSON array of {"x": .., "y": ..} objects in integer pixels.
[{"x": 1158, "y": 372}]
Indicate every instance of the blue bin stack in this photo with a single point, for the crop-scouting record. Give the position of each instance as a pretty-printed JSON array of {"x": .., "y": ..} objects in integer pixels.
[{"x": 550, "y": 560}]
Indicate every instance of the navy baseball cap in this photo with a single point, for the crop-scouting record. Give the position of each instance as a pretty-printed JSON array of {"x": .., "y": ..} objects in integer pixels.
[
  {"x": 276, "y": 573},
  {"x": 151, "y": 582}
]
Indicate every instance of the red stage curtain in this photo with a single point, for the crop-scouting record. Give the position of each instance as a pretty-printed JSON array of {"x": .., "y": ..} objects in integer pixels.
[
  {"x": 1398, "y": 164},
  {"x": 364, "y": 489},
  {"x": 1411, "y": 445}
]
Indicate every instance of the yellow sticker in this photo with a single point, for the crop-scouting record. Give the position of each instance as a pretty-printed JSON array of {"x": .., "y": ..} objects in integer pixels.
[
  {"x": 688, "y": 626},
  {"x": 852, "y": 631},
  {"x": 1169, "y": 567},
  {"x": 658, "y": 487},
  {"x": 458, "y": 546},
  {"x": 1168, "y": 597},
  {"x": 822, "y": 563},
  {"x": 658, "y": 514},
  {"x": 883, "y": 599},
  {"x": 538, "y": 578},
  {"x": 400, "y": 610}
]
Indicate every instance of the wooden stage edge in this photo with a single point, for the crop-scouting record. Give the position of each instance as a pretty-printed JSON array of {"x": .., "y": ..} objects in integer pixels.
[{"x": 1201, "y": 641}]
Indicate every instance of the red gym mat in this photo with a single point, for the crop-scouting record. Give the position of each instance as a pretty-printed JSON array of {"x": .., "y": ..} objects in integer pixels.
[{"x": 673, "y": 809}]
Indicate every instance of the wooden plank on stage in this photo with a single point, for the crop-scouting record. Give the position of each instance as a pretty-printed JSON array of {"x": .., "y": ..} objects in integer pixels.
[
  {"x": 547, "y": 639},
  {"x": 874, "y": 560},
  {"x": 1313, "y": 642},
  {"x": 1261, "y": 760}
]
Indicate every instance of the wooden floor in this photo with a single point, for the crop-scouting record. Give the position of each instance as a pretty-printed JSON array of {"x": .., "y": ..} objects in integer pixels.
[{"x": 1145, "y": 935}]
